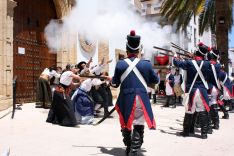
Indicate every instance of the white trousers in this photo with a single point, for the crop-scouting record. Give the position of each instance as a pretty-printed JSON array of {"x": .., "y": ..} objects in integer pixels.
[
  {"x": 214, "y": 95},
  {"x": 226, "y": 94},
  {"x": 197, "y": 104},
  {"x": 139, "y": 114}
]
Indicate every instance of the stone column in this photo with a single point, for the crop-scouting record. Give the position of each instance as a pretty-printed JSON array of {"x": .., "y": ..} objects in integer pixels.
[
  {"x": 2, "y": 21},
  {"x": 68, "y": 53},
  {"x": 6, "y": 52},
  {"x": 103, "y": 52}
]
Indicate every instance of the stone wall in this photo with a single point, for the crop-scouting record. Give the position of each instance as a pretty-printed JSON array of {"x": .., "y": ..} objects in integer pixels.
[
  {"x": 6, "y": 52},
  {"x": 63, "y": 7},
  {"x": 66, "y": 54},
  {"x": 103, "y": 52}
]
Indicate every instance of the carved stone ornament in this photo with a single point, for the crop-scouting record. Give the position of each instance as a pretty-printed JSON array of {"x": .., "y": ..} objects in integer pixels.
[
  {"x": 87, "y": 45},
  {"x": 11, "y": 4}
]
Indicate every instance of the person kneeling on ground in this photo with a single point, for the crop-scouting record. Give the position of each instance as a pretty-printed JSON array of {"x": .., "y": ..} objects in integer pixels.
[{"x": 61, "y": 111}]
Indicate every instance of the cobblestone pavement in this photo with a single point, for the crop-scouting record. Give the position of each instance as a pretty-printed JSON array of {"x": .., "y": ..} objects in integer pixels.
[{"x": 29, "y": 135}]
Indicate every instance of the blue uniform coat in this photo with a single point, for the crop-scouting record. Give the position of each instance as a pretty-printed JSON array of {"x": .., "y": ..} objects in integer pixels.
[
  {"x": 191, "y": 72},
  {"x": 130, "y": 88},
  {"x": 227, "y": 86},
  {"x": 211, "y": 82}
]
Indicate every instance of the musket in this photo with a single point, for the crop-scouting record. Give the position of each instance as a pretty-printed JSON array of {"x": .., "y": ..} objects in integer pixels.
[
  {"x": 155, "y": 47},
  {"x": 166, "y": 54},
  {"x": 184, "y": 57},
  {"x": 105, "y": 117},
  {"x": 93, "y": 76},
  {"x": 182, "y": 54},
  {"x": 178, "y": 47},
  {"x": 175, "y": 45}
]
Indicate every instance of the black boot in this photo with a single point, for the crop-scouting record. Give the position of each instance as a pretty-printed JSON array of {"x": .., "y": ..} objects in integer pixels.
[
  {"x": 154, "y": 98},
  {"x": 106, "y": 113},
  {"x": 140, "y": 129},
  {"x": 197, "y": 123},
  {"x": 175, "y": 98},
  {"x": 180, "y": 100},
  {"x": 214, "y": 116},
  {"x": 204, "y": 124},
  {"x": 126, "y": 139},
  {"x": 149, "y": 94},
  {"x": 210, "y": 130},
  {"x": 194, "y": 118},
  {"x": 186, "y": 125},
  {"x": 167, "y": 101},
  {"x": 137, "y": 140},
  {"x": 231, "y": 105},
  {"x": 225, "y": 112},
  {"x": 173, "y": 101}
]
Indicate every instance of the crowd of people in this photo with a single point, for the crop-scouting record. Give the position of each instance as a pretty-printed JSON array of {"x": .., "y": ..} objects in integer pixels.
[
  {"x": 208, "y": 88},
  {"x": 75, "y": 94},
  {"x": 171, "y": 87}
]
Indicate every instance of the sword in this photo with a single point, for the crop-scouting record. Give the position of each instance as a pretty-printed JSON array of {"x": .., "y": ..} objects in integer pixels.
[{"x": 105, "y": 117}]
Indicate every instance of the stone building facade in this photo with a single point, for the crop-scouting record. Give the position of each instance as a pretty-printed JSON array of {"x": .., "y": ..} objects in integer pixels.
[
  {"x": 6, "y": 52},
  {"x": 66, "y": 55}
]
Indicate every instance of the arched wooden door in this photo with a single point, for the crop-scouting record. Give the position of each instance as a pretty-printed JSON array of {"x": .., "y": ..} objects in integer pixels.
[{"x": 31, "y": 54}]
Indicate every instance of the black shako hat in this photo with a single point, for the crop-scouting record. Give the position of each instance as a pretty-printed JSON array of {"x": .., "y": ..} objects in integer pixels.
[
  {"x": 133, "y": 42},
  {"x": 202, "y": 49},
  {"x": 215, "y": 52}
]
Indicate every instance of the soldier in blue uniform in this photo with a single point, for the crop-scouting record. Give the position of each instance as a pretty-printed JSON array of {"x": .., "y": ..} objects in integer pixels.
[
  {"x": 169, "y": 85},
  {"x": 214, "y": 88},
  {"x": 198, "y": 97},
  {"x": 133, "y": 105},
  {"x": 227, "y": 91}
]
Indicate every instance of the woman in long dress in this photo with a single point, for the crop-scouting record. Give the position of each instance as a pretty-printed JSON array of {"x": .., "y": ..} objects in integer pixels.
[
  {"x": 44, "y": 94},
  {"x": 62, "y": 111},
  {"x": 83, "y": 103}
]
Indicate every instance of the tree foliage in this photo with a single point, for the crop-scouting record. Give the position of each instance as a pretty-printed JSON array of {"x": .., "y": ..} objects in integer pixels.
[{"x": 181, "y": 11}]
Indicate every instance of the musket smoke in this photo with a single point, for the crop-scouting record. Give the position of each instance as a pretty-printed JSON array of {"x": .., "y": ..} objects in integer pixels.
[{"x": 104, "y": 20}]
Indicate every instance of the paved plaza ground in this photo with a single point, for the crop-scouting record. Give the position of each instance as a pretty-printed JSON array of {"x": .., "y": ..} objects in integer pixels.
[{"x": 29, "y": 135}]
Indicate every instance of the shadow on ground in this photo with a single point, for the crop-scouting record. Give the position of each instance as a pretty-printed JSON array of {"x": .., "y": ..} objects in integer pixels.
[
  {"x": 178, "y": 133},
  {"x": 114, "y": 151},
  {"x": 117, "y": 151}
]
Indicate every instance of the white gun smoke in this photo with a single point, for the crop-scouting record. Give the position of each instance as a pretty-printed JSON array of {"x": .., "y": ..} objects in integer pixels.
[{"x": 104, "y": 20}]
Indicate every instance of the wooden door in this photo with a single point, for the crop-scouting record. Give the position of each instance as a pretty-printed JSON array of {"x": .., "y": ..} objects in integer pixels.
[{"x": 31, "y": 54}]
